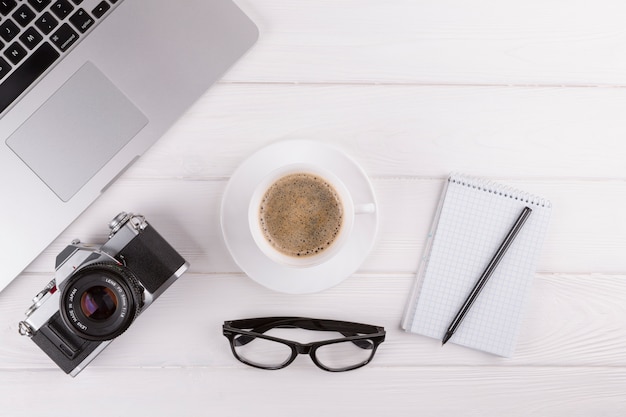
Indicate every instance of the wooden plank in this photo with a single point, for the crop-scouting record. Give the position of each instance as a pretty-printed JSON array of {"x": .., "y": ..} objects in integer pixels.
[
  {"x": 445, "y": 392},
  {"x": 448, "y": 41},
  {"x": 404, "y": 130},
  {"x": 586, "y": 232},
  {"x": 572, "y": 320}
]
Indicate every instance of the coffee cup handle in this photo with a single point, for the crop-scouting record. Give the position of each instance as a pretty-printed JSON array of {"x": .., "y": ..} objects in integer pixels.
[{"x": 368, "y": 208}]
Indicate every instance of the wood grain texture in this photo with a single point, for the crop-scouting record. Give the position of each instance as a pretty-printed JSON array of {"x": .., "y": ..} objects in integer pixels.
[
  {"x": 445, "y": 42},
  {"x": 404, "y": 130},
  {"x": 236, "y": 391}
]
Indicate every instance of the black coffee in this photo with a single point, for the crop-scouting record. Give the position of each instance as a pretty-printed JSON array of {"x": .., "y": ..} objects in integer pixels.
[{"x": 301, "y": 215}]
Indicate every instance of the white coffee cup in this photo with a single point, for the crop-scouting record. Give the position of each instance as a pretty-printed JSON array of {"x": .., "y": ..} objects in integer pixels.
[{"x": 349, "y": 212}]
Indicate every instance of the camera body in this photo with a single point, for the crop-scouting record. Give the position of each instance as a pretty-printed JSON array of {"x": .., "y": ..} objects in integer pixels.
[{"x": 98, "y": 291}]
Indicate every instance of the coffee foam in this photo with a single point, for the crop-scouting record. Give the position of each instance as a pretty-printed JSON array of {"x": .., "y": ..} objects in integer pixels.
[{"x": 301, "y": 215}]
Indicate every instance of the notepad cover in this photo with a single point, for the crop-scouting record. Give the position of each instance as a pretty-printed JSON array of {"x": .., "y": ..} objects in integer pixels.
[{"x": 473, "y": 218}]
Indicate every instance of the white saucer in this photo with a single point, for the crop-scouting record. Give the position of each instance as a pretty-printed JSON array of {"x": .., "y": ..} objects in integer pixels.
[{"x": 239, "y": 240}]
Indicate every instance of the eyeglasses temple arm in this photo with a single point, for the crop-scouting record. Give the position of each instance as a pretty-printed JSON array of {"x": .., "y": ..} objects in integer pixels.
[
  {"x": 283, "y": 322},
  {"x": 243, "y": 339},
  {"x": 362, "y": 343}
]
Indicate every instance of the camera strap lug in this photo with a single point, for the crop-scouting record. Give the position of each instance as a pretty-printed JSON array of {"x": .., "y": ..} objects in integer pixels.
[
  {"x": 25, "y": 329},
  {"x": 137, "y": 222}
]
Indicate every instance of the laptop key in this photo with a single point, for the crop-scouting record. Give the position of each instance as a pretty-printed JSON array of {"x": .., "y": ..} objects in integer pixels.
[
  {"x": 39, "y": 5},
  {"x": 6, "y": 6},
  {"x": 81, "y": 20},
  {"x": 8, "y": 30},
  {"x": 62, "y": 8},
  {"x": 101, "y": 9},
  {"x": 4, "y": 68},
  {"x": 24, "y": 15},
  {"x": 27, "y": 73},
  {"x": 46, "y": 23},
  {"x": 64, "y": 37},
  {"x": 15, "y": 53},
  {"x": 31, "y": 38}
]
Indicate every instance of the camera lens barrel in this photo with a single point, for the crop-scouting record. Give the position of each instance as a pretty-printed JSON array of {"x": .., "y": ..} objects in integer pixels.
[{"x": 100, "y": 301}]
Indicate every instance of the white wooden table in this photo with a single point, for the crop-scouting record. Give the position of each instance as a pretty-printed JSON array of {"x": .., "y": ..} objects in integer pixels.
[{"x": 527, "y": 93}]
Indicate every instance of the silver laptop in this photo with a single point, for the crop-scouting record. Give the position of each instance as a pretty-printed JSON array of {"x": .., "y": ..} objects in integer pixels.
[{"x": 86, "y": 86}]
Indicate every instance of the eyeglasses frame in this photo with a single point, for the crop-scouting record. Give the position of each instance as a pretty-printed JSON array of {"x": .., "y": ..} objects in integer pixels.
[{"x": 353, "y": 332}]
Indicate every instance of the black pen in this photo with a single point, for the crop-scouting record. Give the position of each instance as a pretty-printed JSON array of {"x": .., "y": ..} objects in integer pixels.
[{"x": 497, "y": 257}]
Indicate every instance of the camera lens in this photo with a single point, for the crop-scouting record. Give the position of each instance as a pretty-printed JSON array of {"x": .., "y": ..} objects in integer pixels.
[{"x": 100, "y": 301}]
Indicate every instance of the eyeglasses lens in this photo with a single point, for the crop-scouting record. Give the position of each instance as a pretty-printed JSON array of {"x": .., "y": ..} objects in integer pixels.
[
  {"x": 348, "y": 354},
  {"x": 261, "y": 352}
]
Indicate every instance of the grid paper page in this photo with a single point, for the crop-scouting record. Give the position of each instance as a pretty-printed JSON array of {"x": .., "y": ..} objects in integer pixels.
[{"x": 474, "y": 219}]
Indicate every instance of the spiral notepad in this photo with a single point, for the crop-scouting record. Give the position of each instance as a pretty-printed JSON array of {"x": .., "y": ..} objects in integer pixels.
[{"x": 472, "y": 219}]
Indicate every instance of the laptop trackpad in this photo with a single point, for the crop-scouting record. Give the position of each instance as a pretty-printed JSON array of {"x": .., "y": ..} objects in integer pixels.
[{"x": 77, "y": 131}]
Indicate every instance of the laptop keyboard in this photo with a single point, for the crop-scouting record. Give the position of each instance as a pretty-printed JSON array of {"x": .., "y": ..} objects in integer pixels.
[{"x": 34, "y": 34}]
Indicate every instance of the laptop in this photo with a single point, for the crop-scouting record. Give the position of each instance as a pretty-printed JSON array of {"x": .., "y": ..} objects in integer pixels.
[{"x": 86, "y": 86}]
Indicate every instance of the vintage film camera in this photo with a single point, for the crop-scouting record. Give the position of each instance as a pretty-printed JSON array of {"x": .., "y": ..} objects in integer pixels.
[{"x": 97, "y": 292}]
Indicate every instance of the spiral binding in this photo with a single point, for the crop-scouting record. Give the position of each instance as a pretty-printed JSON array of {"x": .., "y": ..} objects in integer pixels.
[{"x": 499, "y": 189}]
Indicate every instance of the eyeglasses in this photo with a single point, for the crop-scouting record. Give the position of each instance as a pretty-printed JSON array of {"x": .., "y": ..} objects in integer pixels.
[{"x": 253, "y": 347}]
